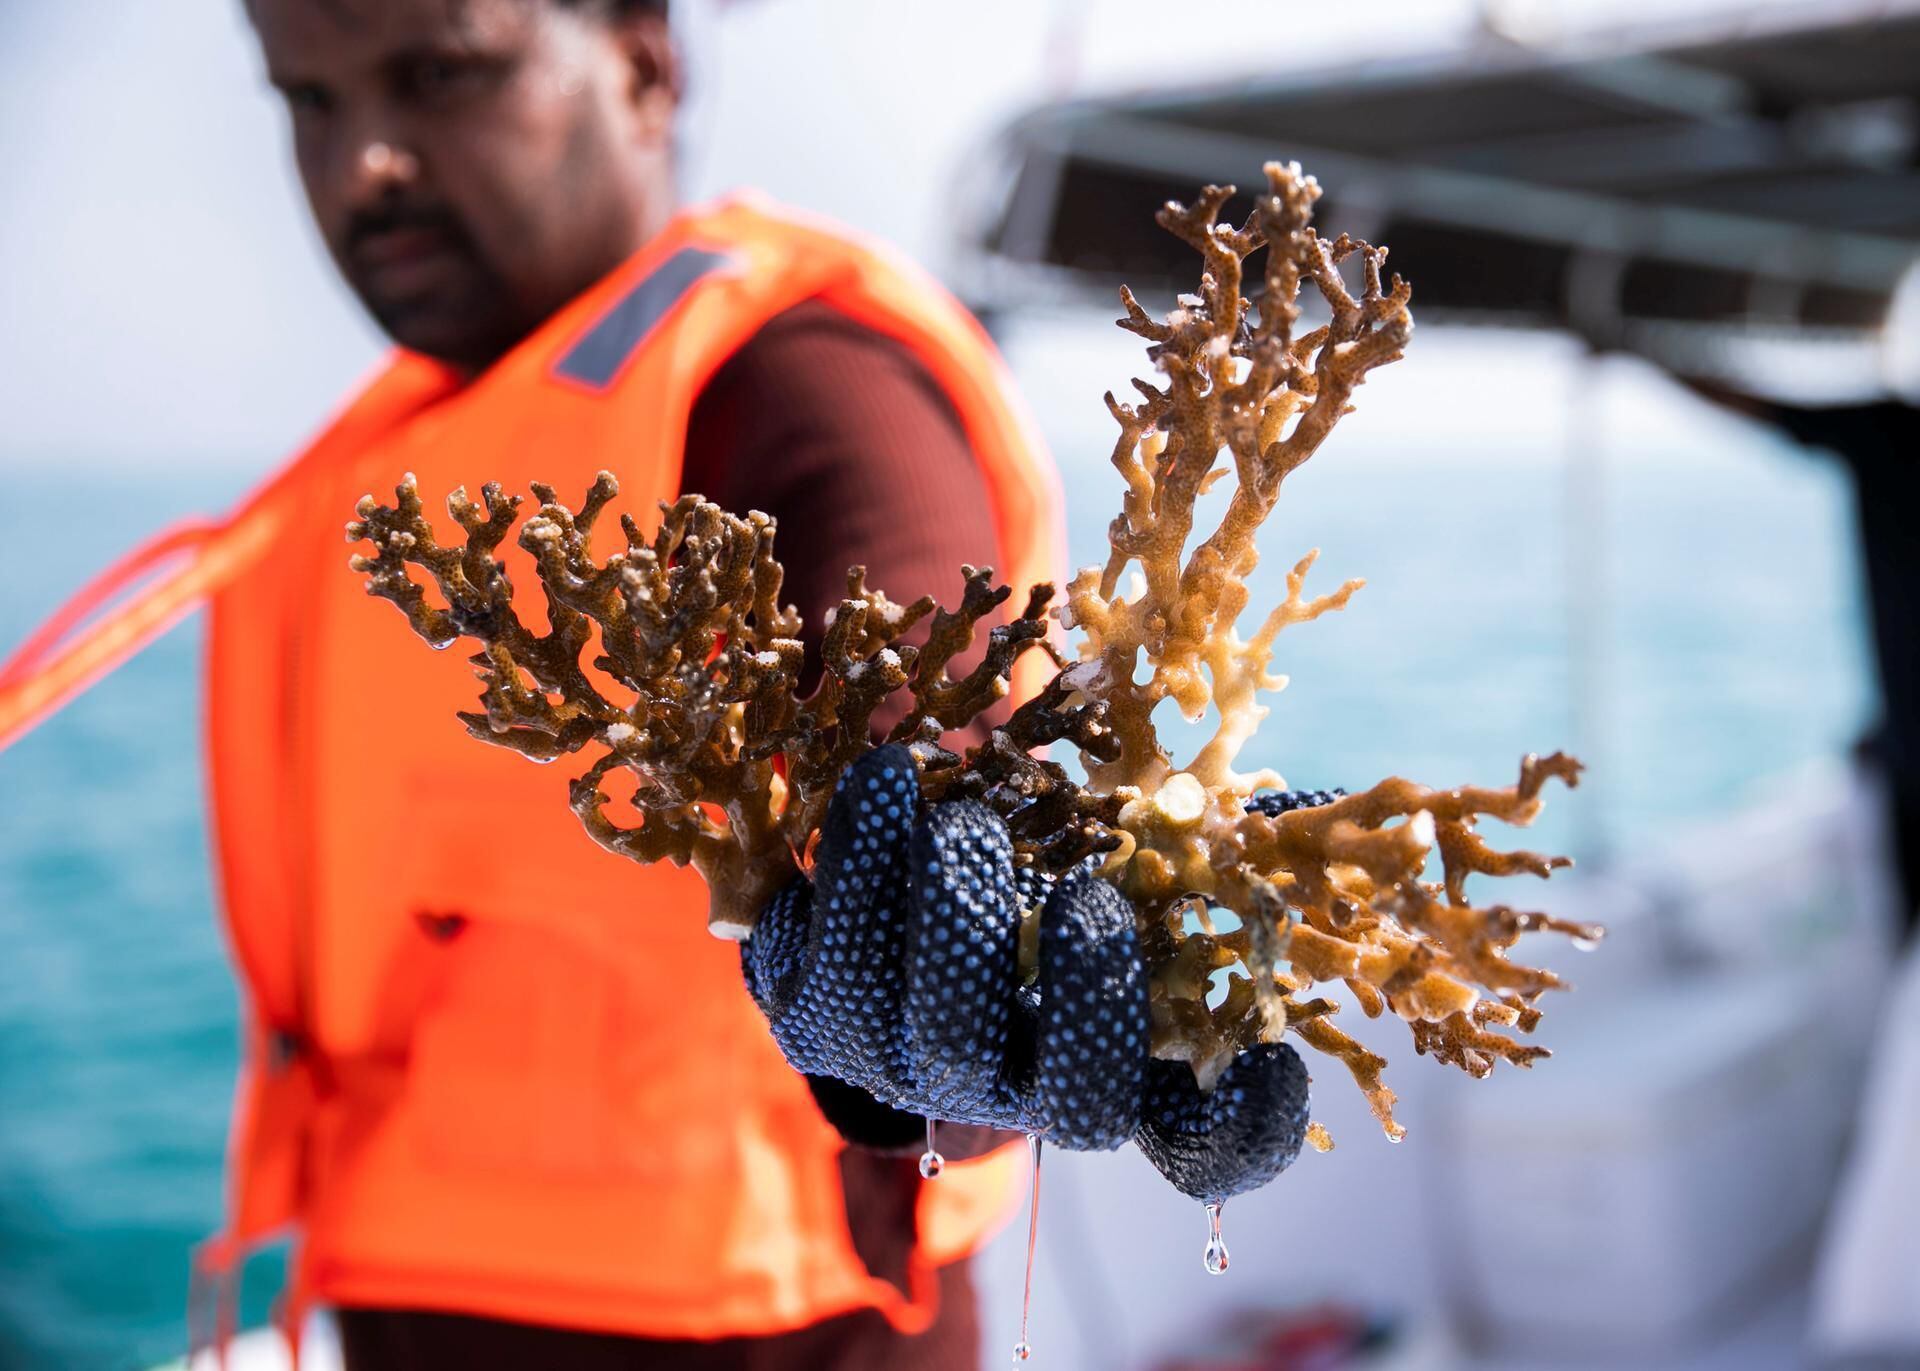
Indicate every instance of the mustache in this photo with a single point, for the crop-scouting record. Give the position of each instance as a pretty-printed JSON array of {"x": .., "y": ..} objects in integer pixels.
[{"x": 387, "y": 218}]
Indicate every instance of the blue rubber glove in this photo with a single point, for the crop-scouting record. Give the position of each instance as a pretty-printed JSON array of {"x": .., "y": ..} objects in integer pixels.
[{"x": 895, "y": 969}]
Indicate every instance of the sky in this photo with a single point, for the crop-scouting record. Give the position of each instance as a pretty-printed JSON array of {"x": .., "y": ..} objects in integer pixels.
[{"x": 164, "y": 302}]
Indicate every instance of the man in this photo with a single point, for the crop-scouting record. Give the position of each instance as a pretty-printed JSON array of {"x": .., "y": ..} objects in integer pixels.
[{"x": 506, "y": 1089}]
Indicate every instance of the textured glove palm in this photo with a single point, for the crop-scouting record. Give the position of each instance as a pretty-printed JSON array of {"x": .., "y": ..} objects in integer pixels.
[{"x": 896, "y": 969}]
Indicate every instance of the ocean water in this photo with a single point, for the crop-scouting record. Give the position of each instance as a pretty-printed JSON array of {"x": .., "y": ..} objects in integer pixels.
[{"x": 1730, "y": 648}]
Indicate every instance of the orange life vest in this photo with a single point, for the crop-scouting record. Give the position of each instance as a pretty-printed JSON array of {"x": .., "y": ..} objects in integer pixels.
[{"x": 489, "y": 1067}]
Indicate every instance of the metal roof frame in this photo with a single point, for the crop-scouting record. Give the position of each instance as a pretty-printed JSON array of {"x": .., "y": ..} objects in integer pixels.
[{"x": 1739, "y": 200}]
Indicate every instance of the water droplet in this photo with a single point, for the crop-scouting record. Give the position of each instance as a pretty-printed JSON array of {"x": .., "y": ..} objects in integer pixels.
[
  {"x": 1216, "y": 1256},
  {"x": 931, "y": 1162},
  {"x": 1585, "y": 944},
  {"x": 1024, "y": 1349}
]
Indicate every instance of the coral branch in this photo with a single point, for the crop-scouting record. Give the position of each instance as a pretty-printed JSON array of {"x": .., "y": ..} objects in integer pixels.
[{"x": 732, "y": 769}]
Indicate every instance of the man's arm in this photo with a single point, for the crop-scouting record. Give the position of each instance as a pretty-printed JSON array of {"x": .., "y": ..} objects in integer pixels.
[
  {"x": 846, "y": 439},
  {"x": 840, "y": 434}
]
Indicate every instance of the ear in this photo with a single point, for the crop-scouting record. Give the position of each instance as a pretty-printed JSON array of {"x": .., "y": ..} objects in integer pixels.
[{"x": 654, "y": 72}]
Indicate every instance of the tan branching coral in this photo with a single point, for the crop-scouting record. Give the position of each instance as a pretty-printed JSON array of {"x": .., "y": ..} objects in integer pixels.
[{"x": 733, "y": 769}]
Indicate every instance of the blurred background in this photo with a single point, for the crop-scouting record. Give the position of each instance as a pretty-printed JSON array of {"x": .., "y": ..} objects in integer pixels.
[{"x": 1607, "y": 211}]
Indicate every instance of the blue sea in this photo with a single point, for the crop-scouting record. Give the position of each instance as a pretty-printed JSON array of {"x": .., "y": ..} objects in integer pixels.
[{"x": 1721, "y": 645}]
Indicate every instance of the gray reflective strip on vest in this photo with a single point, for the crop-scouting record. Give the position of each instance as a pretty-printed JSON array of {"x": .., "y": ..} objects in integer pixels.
[{"x": 606, "y": 347}]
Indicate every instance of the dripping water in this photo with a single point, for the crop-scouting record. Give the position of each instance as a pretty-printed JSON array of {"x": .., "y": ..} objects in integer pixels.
[
  {"x": 1216, "y": 1254},
  {"x": 931, "y": 1162},
  {"x": 1024, "y": 1349}
]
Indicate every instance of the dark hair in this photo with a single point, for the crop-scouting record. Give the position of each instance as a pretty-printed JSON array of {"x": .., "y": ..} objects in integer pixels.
[{"x": 623, "y": 8}]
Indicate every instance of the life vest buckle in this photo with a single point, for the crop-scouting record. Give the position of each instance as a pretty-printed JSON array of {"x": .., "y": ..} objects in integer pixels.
[
  {"x": 283, "y": 1047},
  {"x": 442, "y": 926}
]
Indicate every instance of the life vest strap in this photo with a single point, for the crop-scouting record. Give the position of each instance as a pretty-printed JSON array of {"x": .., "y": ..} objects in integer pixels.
[
  {"x": 213, "y": 1299},
  {"x": 67, "y": 653}
]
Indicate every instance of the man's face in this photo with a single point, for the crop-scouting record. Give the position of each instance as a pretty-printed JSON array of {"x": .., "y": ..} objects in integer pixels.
[{"x": 472, "y": 164}]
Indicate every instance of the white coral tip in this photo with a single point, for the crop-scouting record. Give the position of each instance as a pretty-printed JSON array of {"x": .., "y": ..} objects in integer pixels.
[{"x": 1182, "y": 800}]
